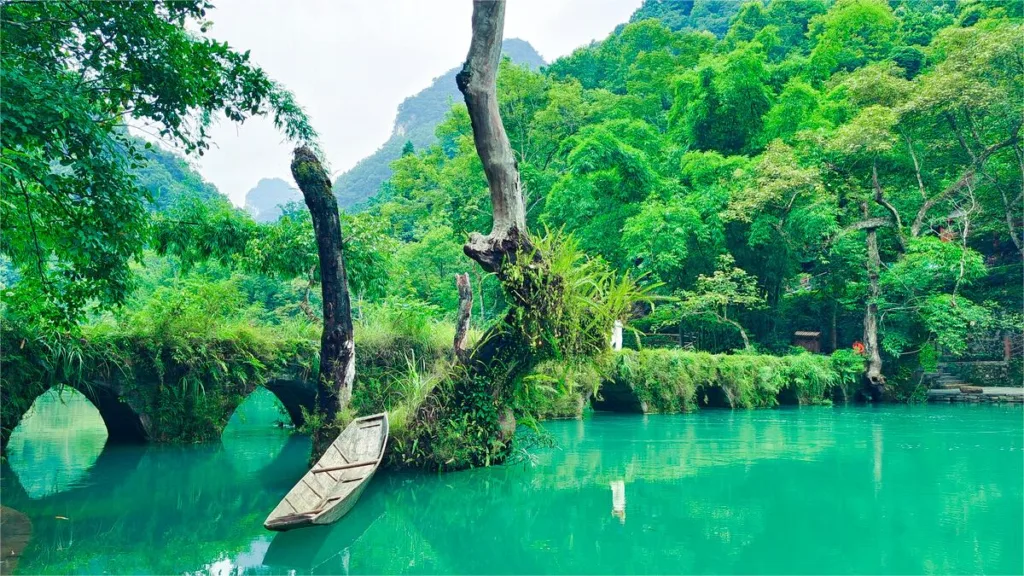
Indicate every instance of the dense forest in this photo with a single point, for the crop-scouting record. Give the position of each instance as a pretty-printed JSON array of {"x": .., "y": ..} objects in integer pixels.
[
  {"x": 753, "y": 178},
  {"x": 716, "y": 175}
]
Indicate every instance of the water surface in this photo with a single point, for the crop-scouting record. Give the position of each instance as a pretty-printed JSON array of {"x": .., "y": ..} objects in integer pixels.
[{"x": 928, "y": 489}]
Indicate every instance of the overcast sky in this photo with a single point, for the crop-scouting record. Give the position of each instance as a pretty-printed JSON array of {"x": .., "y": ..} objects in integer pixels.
[{"x": 351, "y": 62}]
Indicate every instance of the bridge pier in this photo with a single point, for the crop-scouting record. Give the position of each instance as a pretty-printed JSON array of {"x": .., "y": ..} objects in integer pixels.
[{"x": 125, "y": 424}]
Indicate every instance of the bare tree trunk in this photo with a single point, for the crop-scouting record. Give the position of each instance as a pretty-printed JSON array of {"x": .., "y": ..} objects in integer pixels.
[
  {"x": 463, "y": 316},
  {"x": 743, "y": 334},
  {"x": 337, "y": 348},
  {"x": 477, "y": 82},
  {"x": 737, "y": 326},
  {"x": 873, "y": 376}
]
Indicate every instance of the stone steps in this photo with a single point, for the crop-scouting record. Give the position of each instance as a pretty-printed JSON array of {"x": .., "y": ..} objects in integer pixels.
[{"x": 977, "y": 394}]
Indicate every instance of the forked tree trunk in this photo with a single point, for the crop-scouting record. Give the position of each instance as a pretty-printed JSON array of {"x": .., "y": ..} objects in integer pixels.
[
  {"x": 873, "y": 375},
  {"x": 337, "y": 348}
]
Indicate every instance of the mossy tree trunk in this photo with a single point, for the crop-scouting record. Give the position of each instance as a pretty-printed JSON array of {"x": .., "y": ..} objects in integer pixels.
[
  {"x": 471, "y": 423},
  {"x": 337, "y": 348},
  {"x": 502, "y": 355}
]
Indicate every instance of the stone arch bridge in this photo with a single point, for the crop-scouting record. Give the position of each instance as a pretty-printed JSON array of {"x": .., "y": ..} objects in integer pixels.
[{"x": 131, "y": 416}]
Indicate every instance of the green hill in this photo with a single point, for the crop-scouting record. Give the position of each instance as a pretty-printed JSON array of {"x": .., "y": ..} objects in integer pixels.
[
  {"x": 690, "y": 15},
  {"x": 417, "y": 117},
  {"x": 167, "y": 177}
]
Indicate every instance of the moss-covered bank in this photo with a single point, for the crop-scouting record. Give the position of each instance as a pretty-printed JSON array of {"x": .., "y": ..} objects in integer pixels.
[
  {"x": 178, "y": 386},
  {"x": 673, "y": 380}
]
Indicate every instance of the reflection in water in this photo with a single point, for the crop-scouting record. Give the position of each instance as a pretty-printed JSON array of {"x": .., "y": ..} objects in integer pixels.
[
  {"x": 619, "y": 500},
  {"x": 792, "y": 491},
  {"x": 876, "y": 444},
  {"x": 59, "y": 438}
]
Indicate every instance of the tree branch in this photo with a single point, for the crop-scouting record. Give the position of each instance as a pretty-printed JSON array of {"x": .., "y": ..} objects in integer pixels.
[
  {"x": 880, "y": 200},
  {"x": 966, "y": 179},
  {"x": 35, "y": 238}
]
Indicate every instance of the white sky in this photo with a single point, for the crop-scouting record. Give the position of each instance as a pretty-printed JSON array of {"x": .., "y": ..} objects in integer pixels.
[{"x": 351, "y": 62}]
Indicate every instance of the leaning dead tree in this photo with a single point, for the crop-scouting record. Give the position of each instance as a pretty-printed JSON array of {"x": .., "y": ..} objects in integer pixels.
[
  {"x": 337, "y": 348},
  {"x": 478, "y": 83},
  {"x": 479, "y": 401}
]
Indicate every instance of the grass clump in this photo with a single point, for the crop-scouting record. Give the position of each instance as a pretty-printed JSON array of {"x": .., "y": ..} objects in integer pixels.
[
  {"x": 402, "y": 349},
  {"x": 555, "y": 389}
]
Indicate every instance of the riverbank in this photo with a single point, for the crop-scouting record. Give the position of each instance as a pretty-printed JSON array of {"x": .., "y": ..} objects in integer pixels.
[{"x": 169, "y": 384}]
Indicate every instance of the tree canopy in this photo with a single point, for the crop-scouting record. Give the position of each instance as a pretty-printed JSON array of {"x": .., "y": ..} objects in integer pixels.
[{"x": 76, "y": 76}]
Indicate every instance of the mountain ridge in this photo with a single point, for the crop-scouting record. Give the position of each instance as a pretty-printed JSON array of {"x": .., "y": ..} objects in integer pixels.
[{"x": 417, "y": 117}]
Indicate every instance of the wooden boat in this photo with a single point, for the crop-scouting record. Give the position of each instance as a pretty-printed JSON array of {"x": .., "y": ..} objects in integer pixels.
[{"x": 333, "y": 485}]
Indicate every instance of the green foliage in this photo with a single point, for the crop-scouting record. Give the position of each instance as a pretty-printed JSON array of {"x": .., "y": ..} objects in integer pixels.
[
  {"x": 195, "y": 231},
  {"x": 185, "y": 354},
  {"x": 556, "y": 389},
  {"x": 710, "y": 15},
  {"x": 850, "y": 34},
  {"x": 719, "y": 105},
  {"x": 681, "y": 381},
  {"x": 718, "y": 297},
  {"x": 849, "y": 365},
  {"x": 579, "y": 298},
  {"x": 73, "y": 74},
  {"x": 168, "y": 178}
]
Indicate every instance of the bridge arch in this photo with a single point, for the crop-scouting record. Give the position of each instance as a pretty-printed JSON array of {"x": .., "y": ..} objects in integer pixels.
[
  {"x": 130, "y": 415},
  {"x": 294, "y": 394},
  {"x": 123, "y": 422}
]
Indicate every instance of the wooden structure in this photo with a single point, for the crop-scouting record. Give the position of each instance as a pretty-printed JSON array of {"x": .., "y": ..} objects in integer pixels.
[
  {"x": 330, "y": 489},
  {"x": 810, "y": 341}
]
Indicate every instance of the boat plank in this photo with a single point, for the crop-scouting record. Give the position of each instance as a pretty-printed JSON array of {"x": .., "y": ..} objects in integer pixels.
[{"x": 346, "y": 466}]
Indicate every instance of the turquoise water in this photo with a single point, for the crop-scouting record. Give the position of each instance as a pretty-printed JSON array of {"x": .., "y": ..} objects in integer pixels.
[{"x": 928, "y": 489}]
